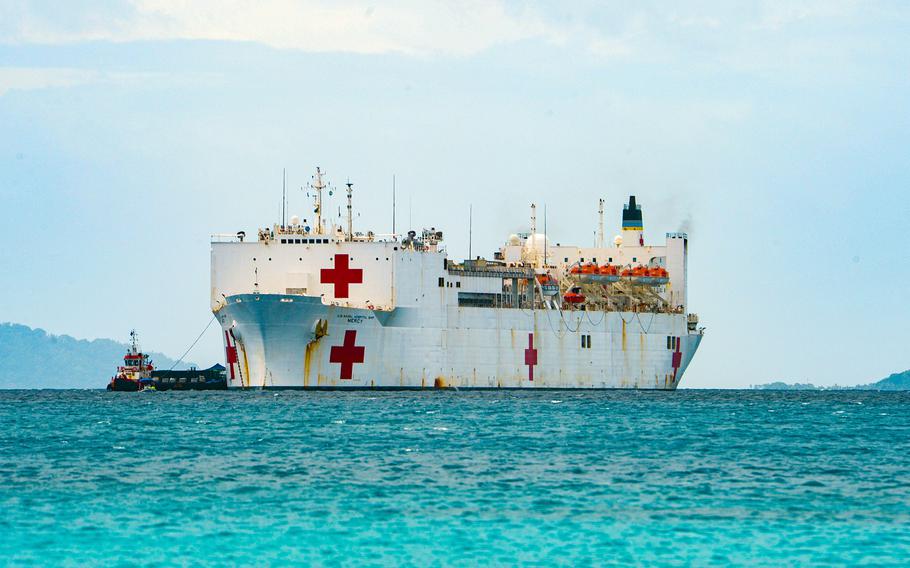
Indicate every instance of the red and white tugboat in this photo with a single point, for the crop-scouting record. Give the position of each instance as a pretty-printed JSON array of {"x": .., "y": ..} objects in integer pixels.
[{"x": 136, "y": 372}]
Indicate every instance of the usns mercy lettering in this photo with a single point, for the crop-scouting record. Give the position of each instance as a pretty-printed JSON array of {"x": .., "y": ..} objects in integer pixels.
[{"x": 312, "y": 304}]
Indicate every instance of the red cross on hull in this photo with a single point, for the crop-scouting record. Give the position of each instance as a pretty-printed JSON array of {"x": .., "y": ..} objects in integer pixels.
[
  {"x": 530, "y": 357},
  {"x": 342, "y": 276},
  {"x": 347, "y": 354},
  {"x": 677, "y": 358},
  {"x": 230, "y": 352}
]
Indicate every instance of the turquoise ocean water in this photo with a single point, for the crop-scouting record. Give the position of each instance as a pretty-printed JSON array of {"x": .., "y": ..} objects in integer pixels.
[{"x": 441, "y": 478}]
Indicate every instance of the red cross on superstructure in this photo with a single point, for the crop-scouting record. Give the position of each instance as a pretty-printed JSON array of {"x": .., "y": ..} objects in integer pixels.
[
  {"x": 530, "y": 356},
  {"x": 347, "y": 354},
  {"x": 341, "y": 276},
  {"x": 677, "y": 358}
]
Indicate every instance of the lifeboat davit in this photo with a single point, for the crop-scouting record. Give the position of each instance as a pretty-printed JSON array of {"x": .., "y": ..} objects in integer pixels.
[{"x": 548, "y": 285}]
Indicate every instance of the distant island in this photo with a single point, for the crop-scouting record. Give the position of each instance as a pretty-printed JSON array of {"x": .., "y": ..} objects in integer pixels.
[
  {"x": 895, "y": 382},
  {"x": 34, "y": 359}
]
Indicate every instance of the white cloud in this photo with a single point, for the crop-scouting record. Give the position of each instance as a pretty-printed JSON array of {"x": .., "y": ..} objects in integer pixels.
[
  {"x": 766, "y": 35},
  {"x": 405, "y": 26}
]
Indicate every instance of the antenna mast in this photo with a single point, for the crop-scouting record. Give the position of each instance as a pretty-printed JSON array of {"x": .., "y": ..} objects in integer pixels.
[
  {"x": 546, "y": 243},
  {"x": 318, "y": 186},
  {"x": 600, "y": 226},
  {"x": 350, "y": 215},
  {"x": 393, "y": 206},
  {"x": 284, "y": 196}
]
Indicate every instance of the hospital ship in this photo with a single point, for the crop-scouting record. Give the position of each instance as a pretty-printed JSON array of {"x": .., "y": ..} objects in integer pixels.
[{"x": 310, "y": 303}]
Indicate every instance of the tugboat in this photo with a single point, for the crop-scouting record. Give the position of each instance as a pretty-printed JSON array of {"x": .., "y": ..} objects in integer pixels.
[{"x": 136, "y": 372}]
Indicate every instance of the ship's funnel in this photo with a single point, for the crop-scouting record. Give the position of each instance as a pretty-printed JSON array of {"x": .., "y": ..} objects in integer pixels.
[{"x": 632, "y": 225}]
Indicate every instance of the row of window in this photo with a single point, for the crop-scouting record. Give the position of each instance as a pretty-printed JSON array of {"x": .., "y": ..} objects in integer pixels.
[
  {"x": 173, "y": 380},
  {"x": 304, "y": 241},
  {"x": 442, "y": 282},
  {"x": 301, "y": 259},
  {"x": 672, "y": 342},
  {"x": 594, "y": 260}
]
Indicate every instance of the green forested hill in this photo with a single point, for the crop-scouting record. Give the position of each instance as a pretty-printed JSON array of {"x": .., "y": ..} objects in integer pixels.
[
  {"x": 897, "y": 381},
  {"x": 32, "y": 358}
]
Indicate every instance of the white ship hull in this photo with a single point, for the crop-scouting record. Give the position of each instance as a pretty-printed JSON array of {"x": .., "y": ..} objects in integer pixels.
[{"x": 286, "y": 341}]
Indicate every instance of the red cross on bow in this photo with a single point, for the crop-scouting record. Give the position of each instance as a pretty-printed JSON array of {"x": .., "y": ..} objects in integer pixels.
[
  {"x": 530, "y": 356},
  {"x": 341, "y": 276},
  {"x": 347, "y": 354},
  {"x": 230, "y": 352},
  {"x": 677, "y": 358}
]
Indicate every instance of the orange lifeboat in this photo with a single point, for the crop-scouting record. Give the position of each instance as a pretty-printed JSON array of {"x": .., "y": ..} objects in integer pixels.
[
  {"x": 654, "y": 275},
  {"x": 587, "y": 272},
  {"x": 574, "y": 296},
  {"x": 605, "y": 274}
]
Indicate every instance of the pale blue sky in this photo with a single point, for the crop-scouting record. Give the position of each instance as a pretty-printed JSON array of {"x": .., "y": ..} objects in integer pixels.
[{"x": 776, "y": 133}]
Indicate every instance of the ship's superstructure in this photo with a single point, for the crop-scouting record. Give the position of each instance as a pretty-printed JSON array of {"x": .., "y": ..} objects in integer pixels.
[{"x": 310, "y": 304}]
